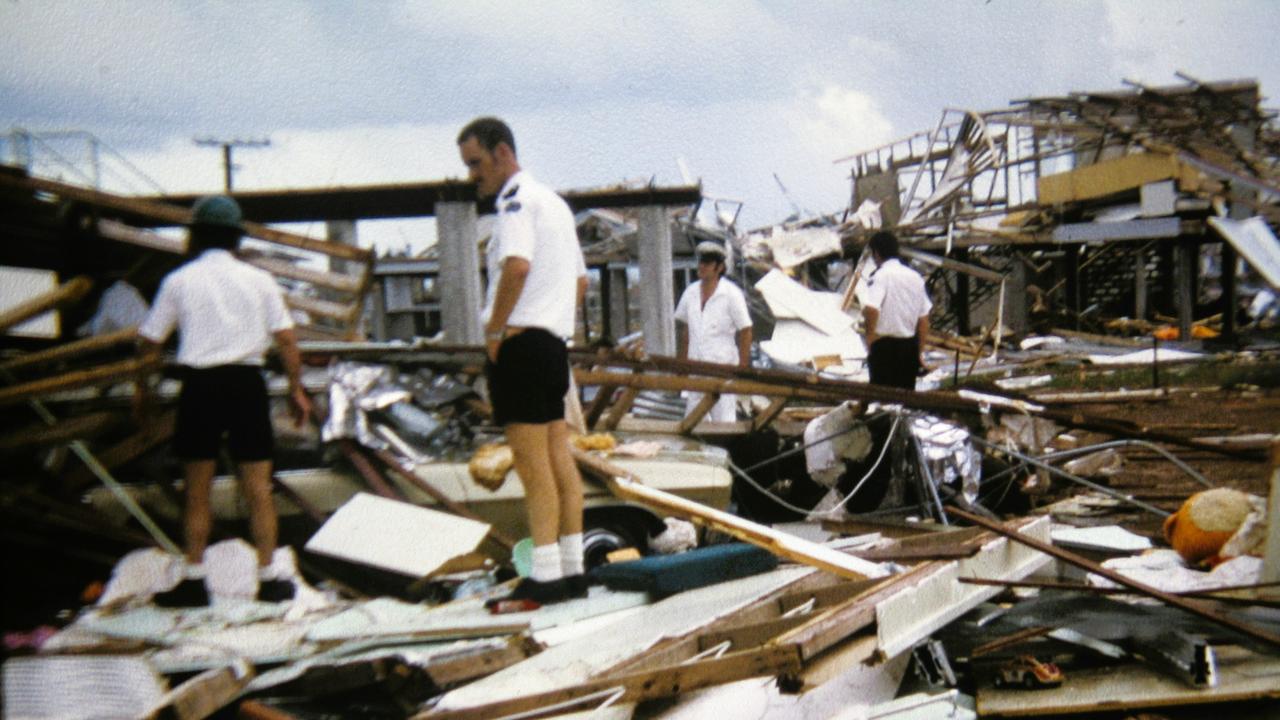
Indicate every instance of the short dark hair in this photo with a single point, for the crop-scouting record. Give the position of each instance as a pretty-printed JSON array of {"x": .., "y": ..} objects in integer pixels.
[
  {"x": 885, "y": 244},
  {"x": 489, "y": 132},
  {"x": 213, "y": 237}
]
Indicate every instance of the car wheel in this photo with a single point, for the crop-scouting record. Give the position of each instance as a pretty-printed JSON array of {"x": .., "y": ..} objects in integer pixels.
[{"x": 600, "y": 540}]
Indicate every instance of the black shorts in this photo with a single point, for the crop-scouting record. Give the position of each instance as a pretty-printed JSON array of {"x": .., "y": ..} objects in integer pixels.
[
  {"x": 894, "y": 362},
  {"x": 230, "y": 399},
  {"x": 530, "y": 379}
]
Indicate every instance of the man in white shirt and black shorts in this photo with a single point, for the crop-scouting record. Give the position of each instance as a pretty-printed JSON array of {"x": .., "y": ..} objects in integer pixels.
[
  {"x": 536, "y": 279},
  {"x": 895, "y": 311},
  {"x": 227, "y": 313}
]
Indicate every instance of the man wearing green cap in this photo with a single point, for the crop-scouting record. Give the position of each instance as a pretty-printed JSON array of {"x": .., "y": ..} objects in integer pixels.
[{"x": 227, "y": 313}]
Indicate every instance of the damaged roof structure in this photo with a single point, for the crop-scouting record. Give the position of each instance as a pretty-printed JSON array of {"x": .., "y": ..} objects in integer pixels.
[{"x": 985, "y": 546}]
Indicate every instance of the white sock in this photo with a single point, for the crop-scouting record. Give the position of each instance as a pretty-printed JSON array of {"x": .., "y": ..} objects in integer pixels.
[
  {"x": 546, "y": 563},
  {"x": 267, "y": 572},
  {"x": 571, "y": 554},
  {"x": 193, "y": 571}
]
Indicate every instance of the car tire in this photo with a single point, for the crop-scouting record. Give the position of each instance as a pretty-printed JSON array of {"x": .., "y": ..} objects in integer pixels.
[{"x": 598, "y": 540}]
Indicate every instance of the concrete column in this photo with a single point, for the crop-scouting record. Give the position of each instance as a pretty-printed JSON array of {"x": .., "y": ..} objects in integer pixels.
[
  {"x": 460, "y": 295},
  {"x": 340, "y": 232},
  {"x": 1015, "y": 297},
  {"x": 657, "y": 300},
  {"x": 1140, "y": 284},
  {"x": 1271, "y": 555},
  {"x": 1187, "y": 256}
]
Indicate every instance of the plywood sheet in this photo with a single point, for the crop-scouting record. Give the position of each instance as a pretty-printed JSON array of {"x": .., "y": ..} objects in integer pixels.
[{"x": 395, "y": 536}]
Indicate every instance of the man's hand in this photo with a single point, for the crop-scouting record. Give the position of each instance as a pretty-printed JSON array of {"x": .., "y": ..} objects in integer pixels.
[
  {"x": 491, "y": 348},
  {"x": 301, "y": 402}
]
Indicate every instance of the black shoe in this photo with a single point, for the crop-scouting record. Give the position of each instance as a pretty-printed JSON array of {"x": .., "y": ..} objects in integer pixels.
[
  {"x": 543, "y": 593},
  {"x": 274, "y": 591},
  {"x": 576, "y": 586},
  {"x": 189, "y": 593}
]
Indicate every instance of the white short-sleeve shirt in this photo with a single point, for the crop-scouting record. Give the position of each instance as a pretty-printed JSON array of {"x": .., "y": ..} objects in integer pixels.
[
  {"x": 535, "y": 223},
  {"x": 713, "y": 328},
  {"x": 898, "y": 293},
  {"x": 225, "y": 311}
]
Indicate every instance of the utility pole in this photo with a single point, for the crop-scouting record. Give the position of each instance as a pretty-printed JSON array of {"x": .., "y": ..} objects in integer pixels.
[{"x": 227, "y": 145}]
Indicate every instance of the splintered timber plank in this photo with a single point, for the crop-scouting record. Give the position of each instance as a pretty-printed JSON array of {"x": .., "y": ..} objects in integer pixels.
[
  {"x": 167, "y": 214},
  {"x": 108, "y": 374},
  {"x": 72, "y": 349},
  {"x": 627, "y": 486},
  {"x": 620, "y": 408},
  {"x": 475, "y": 665},
  {"x": 156, "y": 430},
  {"x": 203, "y": 695},
  {"x": 662, "y": 682},
  {"x": 342, "y": 312},
  {"x": 599, "y": 404}
]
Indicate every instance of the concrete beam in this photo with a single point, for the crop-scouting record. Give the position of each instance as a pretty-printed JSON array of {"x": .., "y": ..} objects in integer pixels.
[
  {"x": 459, "y": 276},
  {"x": 657, "y": 302}
]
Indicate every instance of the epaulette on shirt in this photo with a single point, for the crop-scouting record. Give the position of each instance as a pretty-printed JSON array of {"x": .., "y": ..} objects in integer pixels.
[
  {"x": 512, "y": 206},
  {"x": 511, "y": 193}
]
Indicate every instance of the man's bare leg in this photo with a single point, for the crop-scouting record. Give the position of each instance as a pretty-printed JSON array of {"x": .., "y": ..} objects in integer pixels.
[
  {"x": 568, "y": 480},
  {"x": 533, "y": 464},
  {"x": 255, "y": 483},
  {"x": 197, "y": 517}
]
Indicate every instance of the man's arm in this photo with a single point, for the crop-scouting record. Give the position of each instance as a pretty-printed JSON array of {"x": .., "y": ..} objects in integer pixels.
[
  {"x": 922, "y": 334},
  {"x": 744, "y": 347},
  {"x": 149, "y": 352},
  {"x": 870, "y": 317},
  {"x": 291, "y": 359},
  {"x": 682, "y": 340},
  {"x": 515, "y": 270}
]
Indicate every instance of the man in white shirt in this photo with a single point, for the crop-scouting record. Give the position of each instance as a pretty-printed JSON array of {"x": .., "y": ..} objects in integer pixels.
[
  {"x": 895, "y": 312},
  {"x": 227, "y": 313},
  {"x": 536, "y": 279},
  {"x": 713, "y": 325}
]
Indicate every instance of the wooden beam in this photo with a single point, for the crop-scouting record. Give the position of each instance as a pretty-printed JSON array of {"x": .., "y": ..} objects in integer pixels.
[
  {"x": 154, "y": 430},
  {"x": 174, "y": 215},
  {"x": 342, "y": 312},
  {"x": 72, "y": 428},
  {"x": 331, "y": 280},
  {"x": 690, "y": 421},
  {"x": 662, "y": 682},
  {"x": 770, "y": 413},
  {"x": 65, "y": 294},
  {"x": 620, "y": 407},
  {"x": 629, "y": 487},
  {"x": 109, "y": 374},
  {"x": 71, "y": 349},
  {"x": 203, "y": 695},
  {"x": 477, "y": 665},
  {"x": 599, "y": 403}
]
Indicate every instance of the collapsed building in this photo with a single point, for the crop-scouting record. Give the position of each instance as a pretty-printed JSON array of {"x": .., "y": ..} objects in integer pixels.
[{"x": 1098, "y": 214}]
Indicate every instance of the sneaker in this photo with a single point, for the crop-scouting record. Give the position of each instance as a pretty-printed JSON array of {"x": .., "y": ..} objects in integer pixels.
[
  {"x": 576, "y": 586},
  {"x": 189, "y": 593},
  {"x": 274, "y": 591},
  {"x": 543, "y": 593}
]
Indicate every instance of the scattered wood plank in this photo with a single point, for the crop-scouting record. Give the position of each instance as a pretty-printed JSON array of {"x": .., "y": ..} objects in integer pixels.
[
  {"x": 699, "y": 411},
  {"x": 108, "y": 374},
  {"x": 72, "y": 349},
  {"x": 636, "y": 687},
  {"x": 65, "y": 294},
  {"x": 204, "y": 694},
  {"x": 627, "y": 486}
]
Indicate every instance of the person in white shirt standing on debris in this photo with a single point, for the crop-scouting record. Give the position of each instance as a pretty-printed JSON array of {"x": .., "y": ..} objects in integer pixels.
[
  {"x": 227, "y": 313},
  {"x": 895, "y": 312},
  {"x": 713, "y": 325},
  {"x": 536, "y": 279}
]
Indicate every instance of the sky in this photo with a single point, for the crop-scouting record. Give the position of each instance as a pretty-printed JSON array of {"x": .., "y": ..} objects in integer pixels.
[{"x": 743, "y": 96}]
